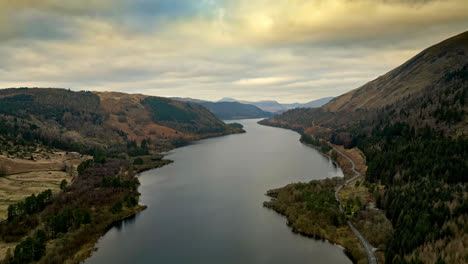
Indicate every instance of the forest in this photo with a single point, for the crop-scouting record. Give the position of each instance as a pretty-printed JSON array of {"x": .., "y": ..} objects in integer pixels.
[
  {"x": 185, "y": 117},
  {"x": 425, "y": 175},
  {"x": 416, "y": 147}
]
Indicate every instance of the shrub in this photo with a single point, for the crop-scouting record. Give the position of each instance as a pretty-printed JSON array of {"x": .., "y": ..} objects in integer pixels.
[
  {"x": 138, "y": 161},
  {"x": 138, "y": 152},
  {"x": 117, "y": 207},
  {"x": 131, "y": 200},
  {"x": 83, "y": 165},
  {"x": 3, "y": 171},
  {"x": 334, "y": 155},
  {"x": 63, "y": 184}
]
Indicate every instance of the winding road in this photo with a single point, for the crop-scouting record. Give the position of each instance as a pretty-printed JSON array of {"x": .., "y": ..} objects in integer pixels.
[{"x": 367, "y": 246}]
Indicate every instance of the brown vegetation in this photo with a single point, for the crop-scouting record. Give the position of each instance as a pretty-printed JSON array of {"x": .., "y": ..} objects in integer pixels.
[{"x": 407, "y": 80}]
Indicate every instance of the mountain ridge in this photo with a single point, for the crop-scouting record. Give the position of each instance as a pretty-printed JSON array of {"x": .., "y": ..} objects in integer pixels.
[
  {"x": 229, "y": 109},
  {"x": 434, "y": 62},
  {"x": 86, "y": 120},
  {"x": 412, "y": 126},
  {"x": 276, "y": 107}
]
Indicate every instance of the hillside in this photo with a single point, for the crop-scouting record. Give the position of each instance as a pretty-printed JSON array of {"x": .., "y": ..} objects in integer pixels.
[
  {"x": 411, "y": 124},
  {"x": 235, "y": 110},
  {"x": 82, "y": 121},
  {"x": 229, "y": 109},
  {"x": 428, "y": 90},
  {"x": 51, "y": 194},
  {"x": 417, "y": 75}
]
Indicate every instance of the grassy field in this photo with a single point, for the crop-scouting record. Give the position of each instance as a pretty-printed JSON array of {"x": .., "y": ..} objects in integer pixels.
[{"x": 25, "y": 177}]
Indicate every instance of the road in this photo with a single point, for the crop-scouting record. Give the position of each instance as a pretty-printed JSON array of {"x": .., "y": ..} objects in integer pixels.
[{"x": 367, "y": 246}]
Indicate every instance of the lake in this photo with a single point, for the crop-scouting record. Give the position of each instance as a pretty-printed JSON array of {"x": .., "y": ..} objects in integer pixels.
[{"x": 206, "y": 207}]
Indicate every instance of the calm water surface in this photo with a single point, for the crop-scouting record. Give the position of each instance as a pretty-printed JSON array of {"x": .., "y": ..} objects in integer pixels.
[{"x": 206, "y": 207}]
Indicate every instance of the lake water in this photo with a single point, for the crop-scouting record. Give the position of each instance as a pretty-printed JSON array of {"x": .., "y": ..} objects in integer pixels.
[{"x": 206, "y": 207}]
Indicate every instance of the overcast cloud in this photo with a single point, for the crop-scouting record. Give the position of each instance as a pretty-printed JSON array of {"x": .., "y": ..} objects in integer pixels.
[{"x": 285, "y": 50}]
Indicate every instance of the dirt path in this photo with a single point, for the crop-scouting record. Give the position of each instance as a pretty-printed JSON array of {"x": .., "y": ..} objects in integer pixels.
[{"x": 367, "y": 246}]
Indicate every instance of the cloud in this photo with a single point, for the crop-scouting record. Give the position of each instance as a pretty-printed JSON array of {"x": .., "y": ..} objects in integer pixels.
[
  {"x": 249, "y": 49},
  {"x": 262, "y": 81},
  {"x": 328, "y": 82}
]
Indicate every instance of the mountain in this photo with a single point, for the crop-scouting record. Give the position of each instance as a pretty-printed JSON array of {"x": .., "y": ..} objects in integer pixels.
[
  {"x": 416, "y": 76},
  {"x": 235, "y": 110},
  {"x": 188, "y": 99},
  {"x": 83, "y": 121},
  {"x": 412, "y": 126},
  {"x": 269, "y": 106},
  {"x": 317, "y": 103},
  {"x": 275, "y": 107},
  {"x": 227, "y": 99},
  {"x": 228, "y": 108}
]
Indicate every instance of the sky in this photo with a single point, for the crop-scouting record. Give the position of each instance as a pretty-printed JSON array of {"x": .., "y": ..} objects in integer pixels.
[{"x": 284, "y": 50}]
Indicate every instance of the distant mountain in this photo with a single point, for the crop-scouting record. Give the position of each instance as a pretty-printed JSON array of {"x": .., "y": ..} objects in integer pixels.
[
  {"x": 188, "y": 99},
  {"x": 275, "y": 107},
  {"x": 227, "y": 99},
  {"x": 317, "y": 103},
  {"x": 270, "y": 106},
  {"x": 229, "y": 108},
  {"x": 235, "y": 110}
]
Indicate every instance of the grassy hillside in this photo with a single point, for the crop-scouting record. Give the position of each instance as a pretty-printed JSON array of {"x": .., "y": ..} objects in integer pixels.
[
  {"x": 418, "y": 75},
  {"x": 412, "y": 126}
]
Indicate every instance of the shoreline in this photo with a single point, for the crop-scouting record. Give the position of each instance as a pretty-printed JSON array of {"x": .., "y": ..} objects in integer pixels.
[
  {"x": 268, "y": 205},
  {"x": 347, "y": 176},
  {"x": 86, "y": 251}
]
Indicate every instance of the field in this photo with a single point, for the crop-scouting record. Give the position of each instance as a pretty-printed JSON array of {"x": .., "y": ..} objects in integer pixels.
[{"x": 25, "y": 177}]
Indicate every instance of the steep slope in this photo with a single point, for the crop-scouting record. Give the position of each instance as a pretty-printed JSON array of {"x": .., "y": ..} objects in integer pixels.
[
  {"x": 235, "y": 110},
  {"x": 428, "y": 90},
  {"x": 422, "y": 71},
  {"x": 412, "y": 125}
]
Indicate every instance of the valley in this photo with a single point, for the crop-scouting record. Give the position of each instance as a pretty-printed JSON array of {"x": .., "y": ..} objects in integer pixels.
[
  {"x": 213, "y": 194},
  {"x": 376, "y": 174}
]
